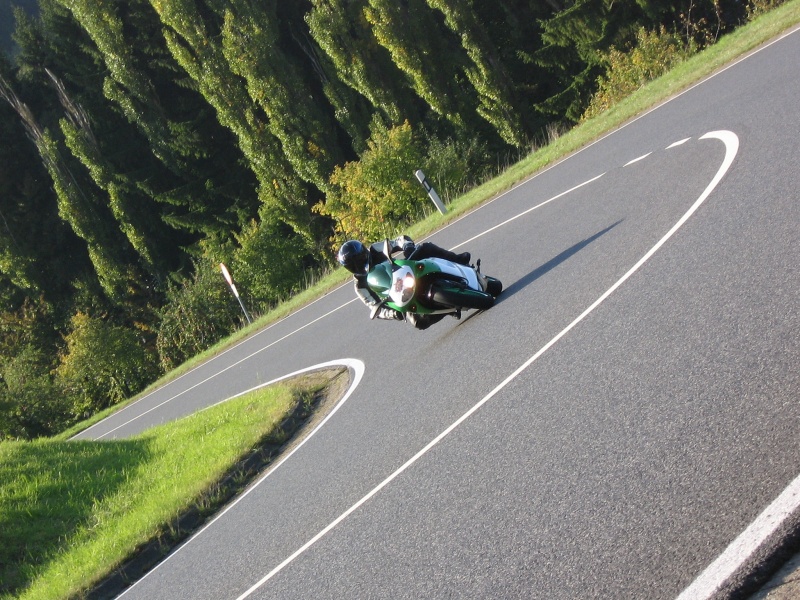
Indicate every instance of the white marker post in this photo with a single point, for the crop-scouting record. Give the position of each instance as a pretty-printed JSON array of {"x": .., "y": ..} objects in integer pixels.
[
  {"x": 226, "y": 274},
  {"x": 431, "y": 192}
]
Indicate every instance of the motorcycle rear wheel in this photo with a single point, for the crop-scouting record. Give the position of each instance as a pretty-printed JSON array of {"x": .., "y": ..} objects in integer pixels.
[{"x": 461, "y": 297}]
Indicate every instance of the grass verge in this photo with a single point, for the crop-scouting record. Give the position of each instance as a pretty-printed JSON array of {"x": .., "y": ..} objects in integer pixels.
[{"x": 74, "y": 513}]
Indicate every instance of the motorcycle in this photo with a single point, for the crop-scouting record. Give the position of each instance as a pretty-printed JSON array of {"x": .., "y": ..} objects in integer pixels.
[{"x": 430, "y": 286}]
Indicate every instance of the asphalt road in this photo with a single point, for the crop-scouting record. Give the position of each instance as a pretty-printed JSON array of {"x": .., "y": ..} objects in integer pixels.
[{"x": 622, "y": 415}]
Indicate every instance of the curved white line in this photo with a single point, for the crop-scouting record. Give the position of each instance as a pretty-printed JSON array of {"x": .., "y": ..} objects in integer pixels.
[
  {"x": 355, "y": 365},
  {"x": 210, "y": 377},
  {"x": 205, "y": 363},
  {"x": 731, "y": 142}
]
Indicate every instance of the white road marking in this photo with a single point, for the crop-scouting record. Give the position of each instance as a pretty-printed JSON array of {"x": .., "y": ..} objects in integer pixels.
[
  {"x": 735, "y": 555},
  {"x": 356, "y": 366},
  {"x": 635, "y": 160},
  {"x": 731, "y": 142},
  {"x": 210, "y": 377},
  {"x": 678, "y": 143},
  {"x": 525, "y": 212}
]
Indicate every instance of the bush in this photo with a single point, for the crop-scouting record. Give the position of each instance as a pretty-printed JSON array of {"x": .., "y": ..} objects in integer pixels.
[
  {"x": 31, "y": 404},
  {"x": 655, "y": 53},
  {"x": 376, "y": 195},
  {"x": 453, "y": 166},
  {"x": 756, "y": 8},
  {"x": 269, "y": 263},
  {"x": 199, "y": 312},
  {"x": 103, "y": 364}
]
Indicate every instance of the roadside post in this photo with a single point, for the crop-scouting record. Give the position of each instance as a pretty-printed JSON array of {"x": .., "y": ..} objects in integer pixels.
[
  {"x": 431, "y": 192},
  {"x": 226, "y": 274}
]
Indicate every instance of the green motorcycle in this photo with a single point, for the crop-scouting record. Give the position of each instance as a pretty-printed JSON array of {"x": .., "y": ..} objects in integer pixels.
[{"x": 430, "y": 286}]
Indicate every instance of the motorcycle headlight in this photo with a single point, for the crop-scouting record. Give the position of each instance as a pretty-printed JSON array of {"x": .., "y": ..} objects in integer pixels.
[
  {"x": 408, "y": 287},
  {"x": 403, "y": 287}
]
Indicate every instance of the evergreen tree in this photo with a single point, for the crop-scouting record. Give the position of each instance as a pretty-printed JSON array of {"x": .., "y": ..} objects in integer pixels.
[
  {"x": 20, "y": 199},
  {"x": 574, "y": 39},
  {"x": 79, "y": 206},
  {"x": 487, "y": 74},
  {"x": 192, "y": 33},
  {"x": 276, "y": 82},
  {"x": 514, "y": 28},
  {"x": 132, "y": 209},
  {"x": 55, "y": 41},
  {"x": 423, "y": 48},
  {"x": 342, "y": 31},
  {"x": 199, "y": 180}
]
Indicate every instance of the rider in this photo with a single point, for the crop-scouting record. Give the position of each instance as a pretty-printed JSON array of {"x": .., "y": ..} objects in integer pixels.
[{"x": 360, "y": 259}]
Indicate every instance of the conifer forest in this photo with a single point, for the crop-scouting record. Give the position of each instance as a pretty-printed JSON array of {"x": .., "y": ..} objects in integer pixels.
[{"x": 143, "y": 142}]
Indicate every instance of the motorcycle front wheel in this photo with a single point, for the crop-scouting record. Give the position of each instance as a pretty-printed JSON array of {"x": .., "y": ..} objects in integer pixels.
[{"x": 493, "y": 286}]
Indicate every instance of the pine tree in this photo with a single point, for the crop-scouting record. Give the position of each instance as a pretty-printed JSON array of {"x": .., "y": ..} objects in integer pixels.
[
  {"x": 53, "y": 38},
  {"x": 182, "y": 160},
  {"x": 342, "y": 31},
  {"x": 193, "y": 41},
  {"x": 487, "y": 73},
  {"x": 573, "y": 41},
  {"x": 79, "y": 206},
  {"x": 424, "y": 49},
  {"x": 296, "y": 116},
  {"x": 38, "y": 253}
]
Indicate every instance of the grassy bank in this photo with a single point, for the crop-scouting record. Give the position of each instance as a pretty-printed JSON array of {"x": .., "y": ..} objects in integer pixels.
[{"x": 72, "y": 512}]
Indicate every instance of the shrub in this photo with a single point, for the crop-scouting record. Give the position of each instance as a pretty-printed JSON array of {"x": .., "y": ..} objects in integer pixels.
[
  {"x": 269, "y": 263},
  {"x": 756, "y": 8},
  {"x": 374, "y": 196},
  {"x": 103, "y": 364},
  {"x": 199, "y": 312},
  {"x": 655, "y": 53},
  {"x": 452, "y": 166},
  {"x": 31, "y": 404}
]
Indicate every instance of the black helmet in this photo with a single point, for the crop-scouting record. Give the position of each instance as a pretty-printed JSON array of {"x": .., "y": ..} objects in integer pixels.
[{"x": 354, "y": 256}]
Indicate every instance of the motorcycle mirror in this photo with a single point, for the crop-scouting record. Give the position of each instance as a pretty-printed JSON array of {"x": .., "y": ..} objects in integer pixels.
[{"x": 387, "y": 250}]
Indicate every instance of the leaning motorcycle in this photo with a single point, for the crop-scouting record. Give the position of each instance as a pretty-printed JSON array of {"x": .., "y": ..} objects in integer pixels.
[{"x": 430, "y": 286}]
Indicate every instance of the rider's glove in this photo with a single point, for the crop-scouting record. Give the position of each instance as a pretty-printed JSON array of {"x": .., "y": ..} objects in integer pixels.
[{"x": 406, "y": 243}]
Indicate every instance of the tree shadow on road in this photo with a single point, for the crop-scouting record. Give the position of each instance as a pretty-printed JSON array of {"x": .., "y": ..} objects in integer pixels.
[{"x": 525, "y": 281}]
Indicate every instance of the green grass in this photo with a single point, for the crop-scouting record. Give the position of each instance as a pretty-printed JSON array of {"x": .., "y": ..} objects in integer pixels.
[{"x": 70, "y": 512}]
